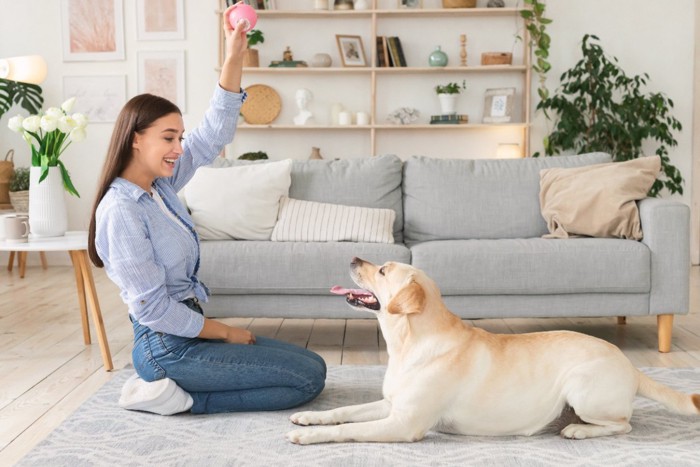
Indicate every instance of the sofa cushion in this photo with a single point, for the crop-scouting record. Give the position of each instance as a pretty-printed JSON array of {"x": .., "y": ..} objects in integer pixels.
[
  {"x": 262, "y": 267},
  {"x": 373, "y": 182},
  {"x": 480, "y": 198},
  {"x": 597, "y": 200},
  {"x": 237, "y": 202},
  {"x": 535, "y": 266},
  {"x": 309, "y": 221}
]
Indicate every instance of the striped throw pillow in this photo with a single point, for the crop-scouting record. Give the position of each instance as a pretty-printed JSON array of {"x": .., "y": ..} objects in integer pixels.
[{"x": 309, "y": 221}]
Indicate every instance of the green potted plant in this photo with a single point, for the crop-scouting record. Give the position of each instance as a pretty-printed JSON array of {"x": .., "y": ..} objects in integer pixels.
[
  {"x": 19, "y": 189},
  {"x": 447, "y": 94},
  {"x": 599, "y": 108},
  {"x": 26, "y": 95},
  {"x": 251, "y": 57},
  {"x": 253, "y": 156}
]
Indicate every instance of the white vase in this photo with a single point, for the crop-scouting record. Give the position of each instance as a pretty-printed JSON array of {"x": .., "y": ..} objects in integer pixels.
[
  {"x": 47, "y": 204},
  {"x": 448, "y": 103}
]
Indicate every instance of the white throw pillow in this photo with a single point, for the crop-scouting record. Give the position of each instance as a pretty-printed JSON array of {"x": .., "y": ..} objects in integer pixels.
[
  {"x": 239, "y": 202},
  {"x": 309, "y": 221}
]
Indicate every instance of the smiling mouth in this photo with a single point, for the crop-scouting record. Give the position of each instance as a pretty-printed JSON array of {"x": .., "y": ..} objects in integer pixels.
[
  {"x": 170, "y": 161},
  {"x": 358, "y": 297}
]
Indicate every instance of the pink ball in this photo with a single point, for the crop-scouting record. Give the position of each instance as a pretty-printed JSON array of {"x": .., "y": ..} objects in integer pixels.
[{"x": 243, "y": 12}]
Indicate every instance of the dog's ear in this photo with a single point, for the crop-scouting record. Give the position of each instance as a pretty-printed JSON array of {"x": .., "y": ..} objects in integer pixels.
[{"x": 410, "y": 299}]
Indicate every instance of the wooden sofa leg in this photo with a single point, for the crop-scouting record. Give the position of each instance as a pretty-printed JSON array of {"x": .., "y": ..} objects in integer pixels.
[
  {"x": 665, "y": 329},
  {"x": 622, "y": 320}
]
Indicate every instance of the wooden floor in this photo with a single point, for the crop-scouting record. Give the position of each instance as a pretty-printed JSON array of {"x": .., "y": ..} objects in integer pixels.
[{"x": 46, "y": 371}]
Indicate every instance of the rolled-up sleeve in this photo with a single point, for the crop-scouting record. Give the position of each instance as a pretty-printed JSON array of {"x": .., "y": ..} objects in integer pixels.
[{"x": 204, "y": 143}]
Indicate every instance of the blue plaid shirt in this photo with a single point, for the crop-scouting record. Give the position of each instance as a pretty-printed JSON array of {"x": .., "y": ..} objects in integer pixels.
[{"x": 153, "y": 260}]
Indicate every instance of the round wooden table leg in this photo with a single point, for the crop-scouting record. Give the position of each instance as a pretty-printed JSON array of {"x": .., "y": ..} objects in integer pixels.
[
  {"x": 81, "y": 297},
  {"x": 91, "y": 295}
]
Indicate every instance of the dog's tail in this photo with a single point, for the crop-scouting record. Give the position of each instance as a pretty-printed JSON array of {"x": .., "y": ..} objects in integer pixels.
[{"x": 686, "y": 404}]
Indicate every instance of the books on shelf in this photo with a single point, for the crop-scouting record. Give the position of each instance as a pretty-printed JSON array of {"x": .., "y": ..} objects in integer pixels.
[
  {"x": 396, "y": 51},
  {"x": 390, "y": 52},
  {"x": 452, "y": 119}
]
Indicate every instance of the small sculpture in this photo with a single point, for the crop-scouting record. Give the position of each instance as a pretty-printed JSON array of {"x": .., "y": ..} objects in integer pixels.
[
  {"x": 287, "y": 55},
  {"x": 303, "y": 97},
  {"x": 403, "y": 116}
]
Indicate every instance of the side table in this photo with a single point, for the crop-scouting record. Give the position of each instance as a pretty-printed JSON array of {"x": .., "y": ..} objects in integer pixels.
[{"x": 75, "y": 243}]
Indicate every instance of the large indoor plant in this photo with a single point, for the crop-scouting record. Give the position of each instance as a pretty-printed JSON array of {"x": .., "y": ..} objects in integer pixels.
[
  {"x": 599, "y": 108},
  {"x": 28, "y": 96}
]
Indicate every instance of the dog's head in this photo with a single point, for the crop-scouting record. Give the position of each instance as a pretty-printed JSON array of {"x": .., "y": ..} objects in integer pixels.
[{"x": 396, "y": 288}]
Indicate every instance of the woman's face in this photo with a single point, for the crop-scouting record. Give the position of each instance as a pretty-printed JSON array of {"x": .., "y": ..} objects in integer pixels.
[{"x": 156, "y": 149}]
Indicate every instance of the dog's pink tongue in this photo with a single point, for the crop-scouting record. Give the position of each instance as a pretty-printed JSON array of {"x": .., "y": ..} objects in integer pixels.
[{"x": 338, "y": 290}]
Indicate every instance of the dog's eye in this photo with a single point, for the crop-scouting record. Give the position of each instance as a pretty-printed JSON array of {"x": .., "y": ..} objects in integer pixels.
[{"x": 381, "y": 270}]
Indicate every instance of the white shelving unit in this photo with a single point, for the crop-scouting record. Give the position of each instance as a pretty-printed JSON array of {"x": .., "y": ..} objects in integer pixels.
[{"x": 380, "y": 82}]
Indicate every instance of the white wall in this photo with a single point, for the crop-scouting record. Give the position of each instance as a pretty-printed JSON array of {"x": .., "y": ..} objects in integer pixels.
[{"x": 645, "y": 35}]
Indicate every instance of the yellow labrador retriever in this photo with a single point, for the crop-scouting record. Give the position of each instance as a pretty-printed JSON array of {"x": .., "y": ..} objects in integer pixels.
[{"x": 445, "y": 375}]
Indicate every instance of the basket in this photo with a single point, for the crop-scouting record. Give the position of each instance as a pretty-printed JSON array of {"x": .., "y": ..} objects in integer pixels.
[
  {"x": 20, "y": 200},
  {"x": 458, "y": 3},
  {"x": 496, "y": 58},
  {"x": 7, "y": 168}
]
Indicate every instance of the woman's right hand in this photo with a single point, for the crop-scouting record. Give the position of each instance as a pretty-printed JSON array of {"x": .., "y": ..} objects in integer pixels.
[{"x": 239, "y": 336}]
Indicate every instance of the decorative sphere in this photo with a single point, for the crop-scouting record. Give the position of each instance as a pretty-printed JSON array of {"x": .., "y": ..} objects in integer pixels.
[{"x": 243, "y": 12}]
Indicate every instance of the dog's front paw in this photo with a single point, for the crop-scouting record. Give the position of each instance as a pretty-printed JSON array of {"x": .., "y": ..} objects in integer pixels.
[
  {"x": 310, "y": 418},
  {"x": 305, "y": 436}
]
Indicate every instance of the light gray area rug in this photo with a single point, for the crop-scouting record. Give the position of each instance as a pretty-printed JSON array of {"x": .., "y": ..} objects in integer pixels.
[{"x": 100, "y": 433}]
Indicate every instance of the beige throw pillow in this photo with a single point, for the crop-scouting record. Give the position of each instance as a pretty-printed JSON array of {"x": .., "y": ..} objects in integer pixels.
[
  {"x": 239, "y": 202},
  {"x": 309, "y": 221},
  {"x": 597, "y": 200}
]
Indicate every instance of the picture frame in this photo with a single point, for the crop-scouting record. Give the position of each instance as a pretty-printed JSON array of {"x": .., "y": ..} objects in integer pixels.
[
  {"x": 163, "y": 73},
  {"x": 351, "y": 50},
  {"x": 410, "y": 4},
  {"x": 498, "y": 105},
  {"x": 100, "y": 98},
  {"x": 160, "y": 20},
  {"x": 92, "y": 31}
]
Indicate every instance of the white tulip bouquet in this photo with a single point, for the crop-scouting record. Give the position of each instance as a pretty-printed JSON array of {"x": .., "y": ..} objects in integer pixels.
[{"x": 49, "y": 134}]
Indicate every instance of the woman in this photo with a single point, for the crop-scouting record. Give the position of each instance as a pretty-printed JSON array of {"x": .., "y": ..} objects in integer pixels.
[{"x": 146, "y": 242}]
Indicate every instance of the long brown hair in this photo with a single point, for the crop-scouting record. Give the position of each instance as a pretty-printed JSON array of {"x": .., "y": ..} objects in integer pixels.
[{"x": 135, "y": 117}]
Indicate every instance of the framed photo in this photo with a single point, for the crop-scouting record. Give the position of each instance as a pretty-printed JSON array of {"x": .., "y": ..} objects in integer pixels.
[
  {"x": 160, "y": 20},
  {"x": 163, "y": 73},
  {"x": 352, "y": 53},
  {"x": 498, "y": 105},
  {"x": 92, "y": 30},
  {"x": 100, "y": 98},
  {"x": 410, "y": 3}
]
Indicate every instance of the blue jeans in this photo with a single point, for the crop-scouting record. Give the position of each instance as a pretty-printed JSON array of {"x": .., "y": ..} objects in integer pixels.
[{"x": 223, "y": 377}]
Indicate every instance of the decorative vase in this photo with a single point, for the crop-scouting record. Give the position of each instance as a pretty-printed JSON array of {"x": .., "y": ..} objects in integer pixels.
[
  {"x": 448, "y": 103},
  {"x": 361, "y": 5},
  {"x": 47, "y": 205},
  {"x": 315, "y": 154},
  {"x": 437, "y": 58}
]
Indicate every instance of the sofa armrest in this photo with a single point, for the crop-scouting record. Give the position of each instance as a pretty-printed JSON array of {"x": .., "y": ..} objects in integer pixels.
[{"x": 666, "y": 228}]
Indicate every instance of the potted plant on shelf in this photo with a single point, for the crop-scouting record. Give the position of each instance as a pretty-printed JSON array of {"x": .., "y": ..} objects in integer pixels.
[
  {"x": 19, "y": 189},
  {"x": 251, "y": 58},
  {"x": 447, "y": 94},
  {"x": 599, "y": 108}
]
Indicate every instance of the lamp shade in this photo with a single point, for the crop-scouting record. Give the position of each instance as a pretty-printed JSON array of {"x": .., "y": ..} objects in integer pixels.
[{"x": 28, "y": 69}]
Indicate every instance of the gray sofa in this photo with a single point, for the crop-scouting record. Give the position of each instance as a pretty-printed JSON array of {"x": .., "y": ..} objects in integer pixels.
[{"x": 475, "y": 227}]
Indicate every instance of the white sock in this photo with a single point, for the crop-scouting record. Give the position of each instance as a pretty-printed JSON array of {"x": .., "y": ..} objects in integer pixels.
[{"x": 163, "y": 397}]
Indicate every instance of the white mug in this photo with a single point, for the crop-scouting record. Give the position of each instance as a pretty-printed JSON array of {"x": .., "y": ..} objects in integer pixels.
[{"x": 16, "y": 228}]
